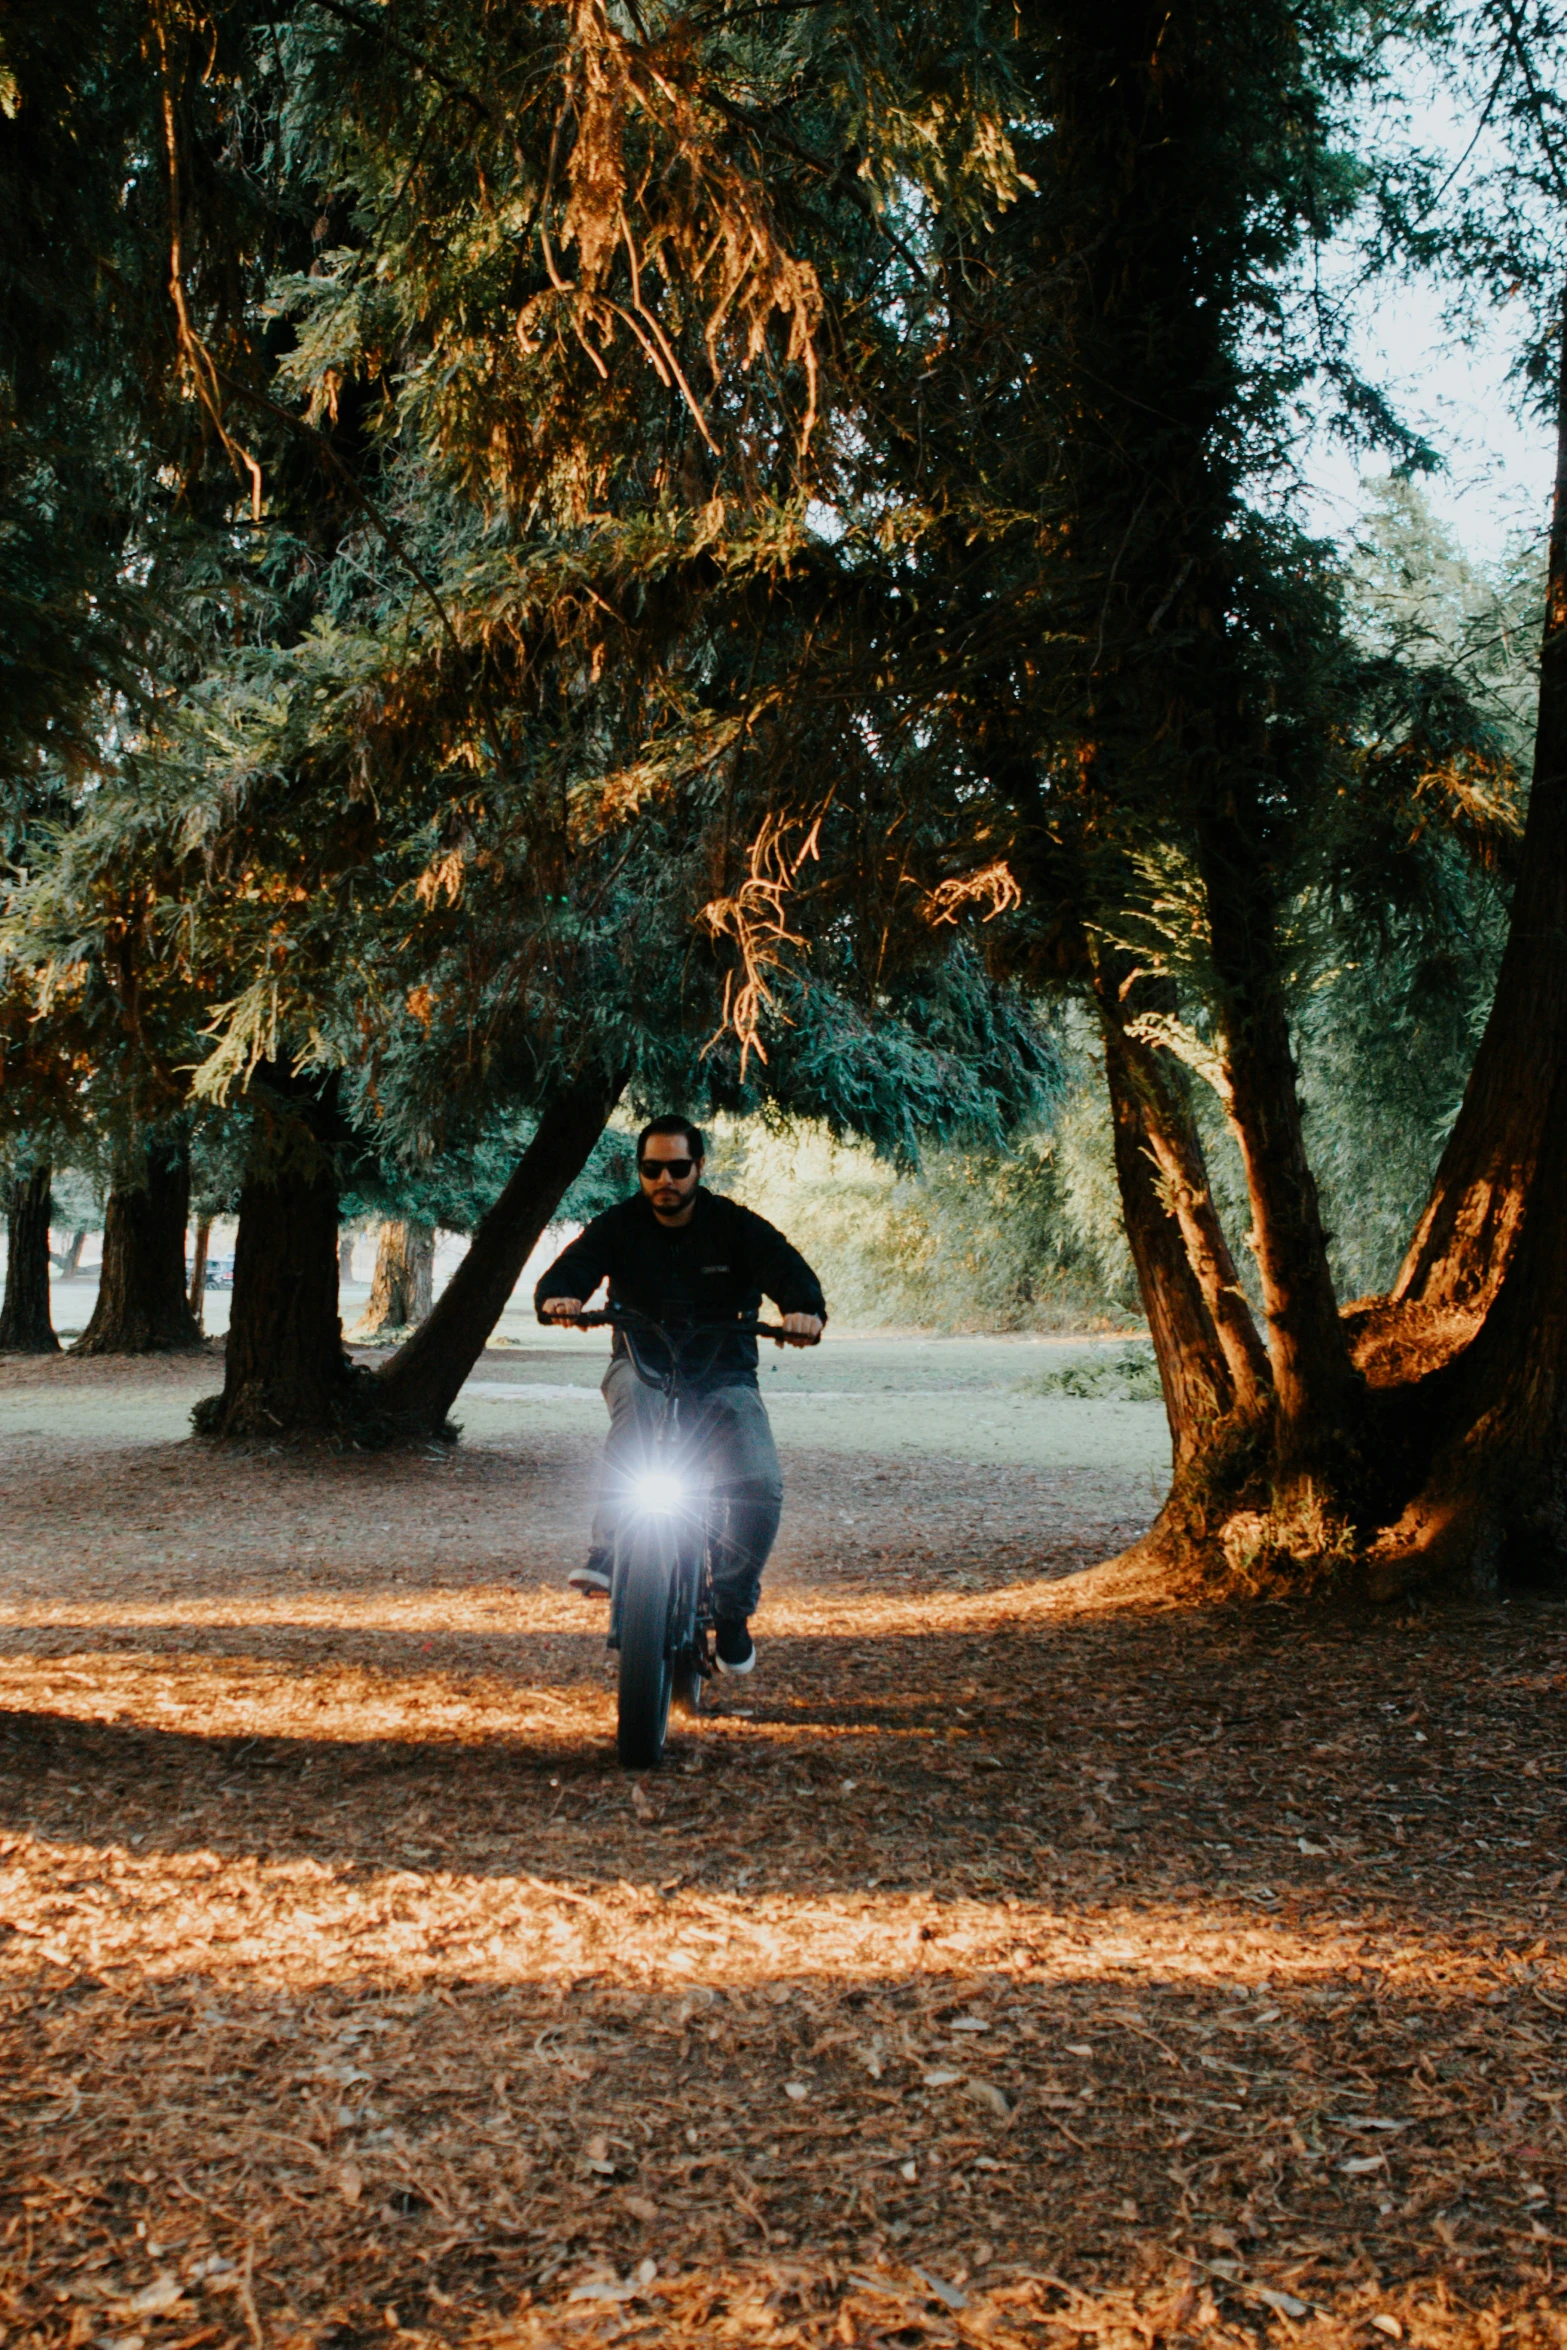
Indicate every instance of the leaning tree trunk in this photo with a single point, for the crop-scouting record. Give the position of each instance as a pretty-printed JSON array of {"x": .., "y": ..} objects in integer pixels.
[
  {"x": 25, "y": 1327},
  {"x": 403, "y": 1289},
  {"x": 67, "y": 1262},
  {"x": 1461, "y": 1247},
  {"x": 1197, "y": 1390},
  {"x": 1268, "y": 1443},
  {"x": 1212, "y": 1365},
  {"x": 1158, "y": 1149},
  {"x": 1314, "y": 1381},
  {"x": 420, "y": 1384},
  {"x": 285, "y": 1371},
  {"x": 142, "y": 1304}
]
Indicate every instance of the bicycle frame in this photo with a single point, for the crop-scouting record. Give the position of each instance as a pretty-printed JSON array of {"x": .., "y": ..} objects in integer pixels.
[{"x": 670, "y": 1491}]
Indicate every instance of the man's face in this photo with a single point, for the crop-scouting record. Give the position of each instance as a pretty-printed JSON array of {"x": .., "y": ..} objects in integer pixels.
[{"x": 669, "y": 1173}]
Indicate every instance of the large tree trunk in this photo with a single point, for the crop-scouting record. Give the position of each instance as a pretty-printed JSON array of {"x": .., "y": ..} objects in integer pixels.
[
  {"x": 284, "y": 1366},
  {"x": 142, "y": 1306},
  {"x": 1461, "y": 1247},
  {"x": 402, "y": 1292},
  {"x": 1273, "y": 1490},
  {"x": 25, "y": 1327},
  {"x": 1484, "y": 1433},
  {"x": 1170, "y": 706},
  {"x": 1438, "y": 1458},
  {"x": 418, "y": 1387}
]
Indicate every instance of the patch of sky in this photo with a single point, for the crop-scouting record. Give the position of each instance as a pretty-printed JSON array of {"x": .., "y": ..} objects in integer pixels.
[{"x": 1446, "y": 359}]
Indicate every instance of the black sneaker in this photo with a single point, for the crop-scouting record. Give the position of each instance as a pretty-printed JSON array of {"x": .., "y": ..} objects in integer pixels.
[
  {"x": 736, "y": 1648},
  {"x": 590, "y": 1581}
]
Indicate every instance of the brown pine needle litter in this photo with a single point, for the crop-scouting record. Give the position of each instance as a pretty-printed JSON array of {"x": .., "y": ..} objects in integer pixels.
[{"x": 1001, "y": 1965}]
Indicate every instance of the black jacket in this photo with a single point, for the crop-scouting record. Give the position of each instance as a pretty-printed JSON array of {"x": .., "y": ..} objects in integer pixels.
[{"x": 717, "y": 1265}]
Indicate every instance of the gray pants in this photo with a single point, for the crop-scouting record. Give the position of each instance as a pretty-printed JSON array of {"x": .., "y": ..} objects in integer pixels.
[{"x": 728, "y": 1432}]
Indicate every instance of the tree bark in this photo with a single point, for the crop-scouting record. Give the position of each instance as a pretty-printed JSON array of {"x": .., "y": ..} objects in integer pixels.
[
  {"x": 402, "y": 1291},
  {"x": 1316, "y": 1387},
  {"x": 1461, "y": 1247},
  {"x": 25, "y": 1327},
  {"x": 197, "y": 1293},
  {"x": 1198, "y": 1393},
  {"x": 418, "y": 1387},
  {"x": 285, "y": 1371},
  {"x": 1156, "y": 1133},
  {"x": 1211, "y": 1359},
  {"x": 1487, "y": 1429},
  {"x": 142, "y": 1306}
]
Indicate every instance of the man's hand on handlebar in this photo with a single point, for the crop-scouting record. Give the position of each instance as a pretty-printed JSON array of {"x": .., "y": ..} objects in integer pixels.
[
  {"x": 561, "y": 1309},
  {"x": 804, "y": 1329}
]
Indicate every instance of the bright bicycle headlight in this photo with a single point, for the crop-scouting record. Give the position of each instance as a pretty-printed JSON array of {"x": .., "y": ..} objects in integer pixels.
[{"x": 657, "y": 1492}]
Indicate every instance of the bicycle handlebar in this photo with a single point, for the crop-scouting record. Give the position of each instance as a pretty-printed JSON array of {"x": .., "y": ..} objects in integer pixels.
[{"x": 619, "y": 1317}]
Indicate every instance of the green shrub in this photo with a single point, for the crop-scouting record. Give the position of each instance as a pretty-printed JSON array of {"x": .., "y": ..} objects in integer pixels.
[{"x": 1130, "y": 1375}]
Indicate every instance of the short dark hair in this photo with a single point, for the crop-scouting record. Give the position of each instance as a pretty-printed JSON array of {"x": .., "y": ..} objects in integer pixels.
[{"x": 693, "y": 1135}]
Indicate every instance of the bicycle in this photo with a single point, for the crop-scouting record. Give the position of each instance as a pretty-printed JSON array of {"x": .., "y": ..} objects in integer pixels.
[{"x": 661, "y": 1601}]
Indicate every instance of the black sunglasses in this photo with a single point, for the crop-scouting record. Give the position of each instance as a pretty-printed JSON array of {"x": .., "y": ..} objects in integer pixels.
[{"x": 679, "y": 1168}]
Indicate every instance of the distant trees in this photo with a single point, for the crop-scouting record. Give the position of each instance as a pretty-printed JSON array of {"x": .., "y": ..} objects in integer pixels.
[
  {"x": 142, "y": 1306},
  {"x": 25, "y": 1327},
  {"x": 402, "y": 1289}
]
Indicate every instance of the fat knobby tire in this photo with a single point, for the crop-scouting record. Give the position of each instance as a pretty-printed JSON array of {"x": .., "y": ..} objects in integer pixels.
[{"x": 646, "y": 1668}]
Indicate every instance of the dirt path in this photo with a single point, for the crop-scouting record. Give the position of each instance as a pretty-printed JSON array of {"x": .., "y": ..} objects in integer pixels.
[{"x": 1001, "y": 1965}]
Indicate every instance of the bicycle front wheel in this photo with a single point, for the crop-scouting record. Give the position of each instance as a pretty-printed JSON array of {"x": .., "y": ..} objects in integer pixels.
[{"x": 646, "y": 1666}]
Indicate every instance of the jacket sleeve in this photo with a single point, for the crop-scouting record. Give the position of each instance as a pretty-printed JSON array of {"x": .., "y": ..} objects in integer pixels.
[
  {"x": 579, "y": 1269},
  {"x": 780, "y": 1271}
]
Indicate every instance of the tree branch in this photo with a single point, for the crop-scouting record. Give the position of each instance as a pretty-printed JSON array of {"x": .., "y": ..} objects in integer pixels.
[{"x": 377, "y": 32}]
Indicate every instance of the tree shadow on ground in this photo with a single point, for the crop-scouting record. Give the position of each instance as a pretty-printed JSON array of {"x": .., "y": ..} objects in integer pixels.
[
  {"x": 1264, "y": 1761},
  {"x": 1195, "y": 1959}
]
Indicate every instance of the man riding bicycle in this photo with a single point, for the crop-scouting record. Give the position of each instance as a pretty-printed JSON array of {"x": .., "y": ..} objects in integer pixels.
[{"x": 678, "y": 1253}]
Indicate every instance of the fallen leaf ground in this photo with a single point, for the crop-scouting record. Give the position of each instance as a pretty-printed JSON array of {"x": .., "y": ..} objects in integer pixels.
[{"x": 1003, "y": 1964}]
